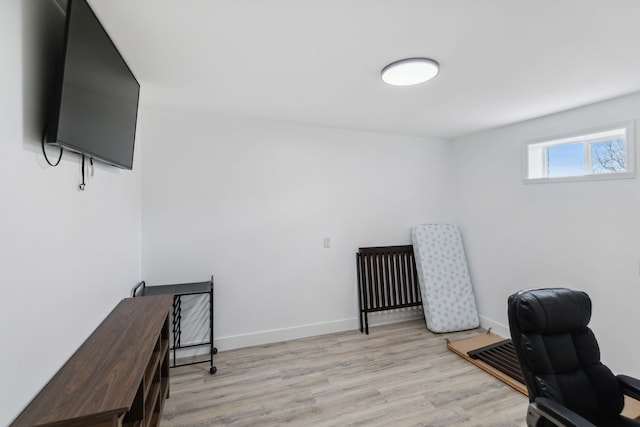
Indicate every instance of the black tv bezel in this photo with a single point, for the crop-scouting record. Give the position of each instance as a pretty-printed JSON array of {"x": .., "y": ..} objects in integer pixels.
[{"x": 51, "y": 131}]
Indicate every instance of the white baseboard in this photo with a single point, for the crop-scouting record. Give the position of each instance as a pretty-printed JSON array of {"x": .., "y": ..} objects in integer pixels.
[
  {"x": 497, "y": 328},
  {"x": 267, "y": 337},
  {"x": 285, "y": 334}
]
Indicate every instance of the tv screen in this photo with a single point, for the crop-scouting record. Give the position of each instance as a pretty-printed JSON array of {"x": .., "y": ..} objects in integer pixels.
[{"x": 96, "y": 101}]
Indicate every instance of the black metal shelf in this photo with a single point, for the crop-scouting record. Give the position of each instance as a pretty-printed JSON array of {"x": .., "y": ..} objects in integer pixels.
[{"x": 179, "y": 290}]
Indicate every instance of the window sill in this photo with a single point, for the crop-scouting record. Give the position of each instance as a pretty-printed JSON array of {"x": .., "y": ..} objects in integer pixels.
[{"x": 594, "y": 177}]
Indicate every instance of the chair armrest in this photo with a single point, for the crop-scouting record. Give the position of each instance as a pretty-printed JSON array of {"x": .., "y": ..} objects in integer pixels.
[
  {"x": 630, "y": 386},
  {"x": 559, "y": 414}
]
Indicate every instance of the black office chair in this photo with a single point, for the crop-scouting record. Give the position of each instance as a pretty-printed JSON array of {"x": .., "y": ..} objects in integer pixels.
[{"x": 560, "y": 361}]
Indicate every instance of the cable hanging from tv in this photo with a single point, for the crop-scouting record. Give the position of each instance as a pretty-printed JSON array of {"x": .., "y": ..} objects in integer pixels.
[
  {"x": 44, "y": 137},
  {"x": 82, "y": 185},
  {"x": 57, "y": 162}
]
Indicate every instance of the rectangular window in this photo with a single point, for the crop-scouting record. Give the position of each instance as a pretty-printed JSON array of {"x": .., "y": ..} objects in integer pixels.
[{"x": 602, "y": 153}]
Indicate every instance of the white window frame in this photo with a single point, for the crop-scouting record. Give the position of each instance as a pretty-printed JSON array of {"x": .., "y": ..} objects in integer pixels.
[{"x": 587, "y": 136}]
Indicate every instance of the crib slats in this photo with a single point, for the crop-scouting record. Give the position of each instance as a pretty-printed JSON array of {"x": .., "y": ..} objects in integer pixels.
[
  {"x": 501, "y": 356},
  {"x": 387, "y": 279}
]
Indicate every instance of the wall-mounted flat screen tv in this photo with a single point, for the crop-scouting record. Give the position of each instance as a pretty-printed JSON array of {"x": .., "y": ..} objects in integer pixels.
[{"x": 96, "y": 102}]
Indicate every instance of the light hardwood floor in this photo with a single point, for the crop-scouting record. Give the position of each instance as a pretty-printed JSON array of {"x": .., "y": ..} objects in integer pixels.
[{"x": 399, "y": 375}]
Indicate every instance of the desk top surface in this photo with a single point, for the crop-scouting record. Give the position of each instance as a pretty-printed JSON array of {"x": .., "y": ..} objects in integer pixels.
[{"x": 103, "y": 375}]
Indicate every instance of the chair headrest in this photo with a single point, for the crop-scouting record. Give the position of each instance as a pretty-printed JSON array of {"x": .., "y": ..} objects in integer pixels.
[{"x": 552, "y": 310}]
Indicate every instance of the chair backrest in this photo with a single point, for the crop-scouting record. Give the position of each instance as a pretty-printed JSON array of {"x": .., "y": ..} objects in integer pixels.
[{"x": 558, "y": 353}]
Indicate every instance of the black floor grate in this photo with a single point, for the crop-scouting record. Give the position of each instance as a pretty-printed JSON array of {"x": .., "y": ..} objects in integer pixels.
[{"x": 501, "y": 356}]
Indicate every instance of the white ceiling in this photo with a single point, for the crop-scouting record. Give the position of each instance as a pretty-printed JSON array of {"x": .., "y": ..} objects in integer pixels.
[{"x": 318, "y": 61}]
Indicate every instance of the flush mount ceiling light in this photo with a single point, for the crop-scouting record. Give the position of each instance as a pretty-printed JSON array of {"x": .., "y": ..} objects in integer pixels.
[{"x": 410, "y": 71}]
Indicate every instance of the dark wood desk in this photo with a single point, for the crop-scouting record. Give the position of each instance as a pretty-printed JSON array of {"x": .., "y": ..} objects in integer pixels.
[{"x": 118, "y": 377}]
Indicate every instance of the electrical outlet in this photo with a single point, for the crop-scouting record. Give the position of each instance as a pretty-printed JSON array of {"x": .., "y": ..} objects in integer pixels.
[{"x": 327, "y": 242}]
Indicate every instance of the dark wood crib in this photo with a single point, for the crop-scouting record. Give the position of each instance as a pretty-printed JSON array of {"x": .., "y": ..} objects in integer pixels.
[{"x": 387, "y": 280}]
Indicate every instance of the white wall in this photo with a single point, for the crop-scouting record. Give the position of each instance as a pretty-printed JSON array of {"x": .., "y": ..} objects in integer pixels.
[
  {"x": 250, "y": 202},
  {"x": 66, "y": 257},
  {"x": 583, "y": 235}
]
